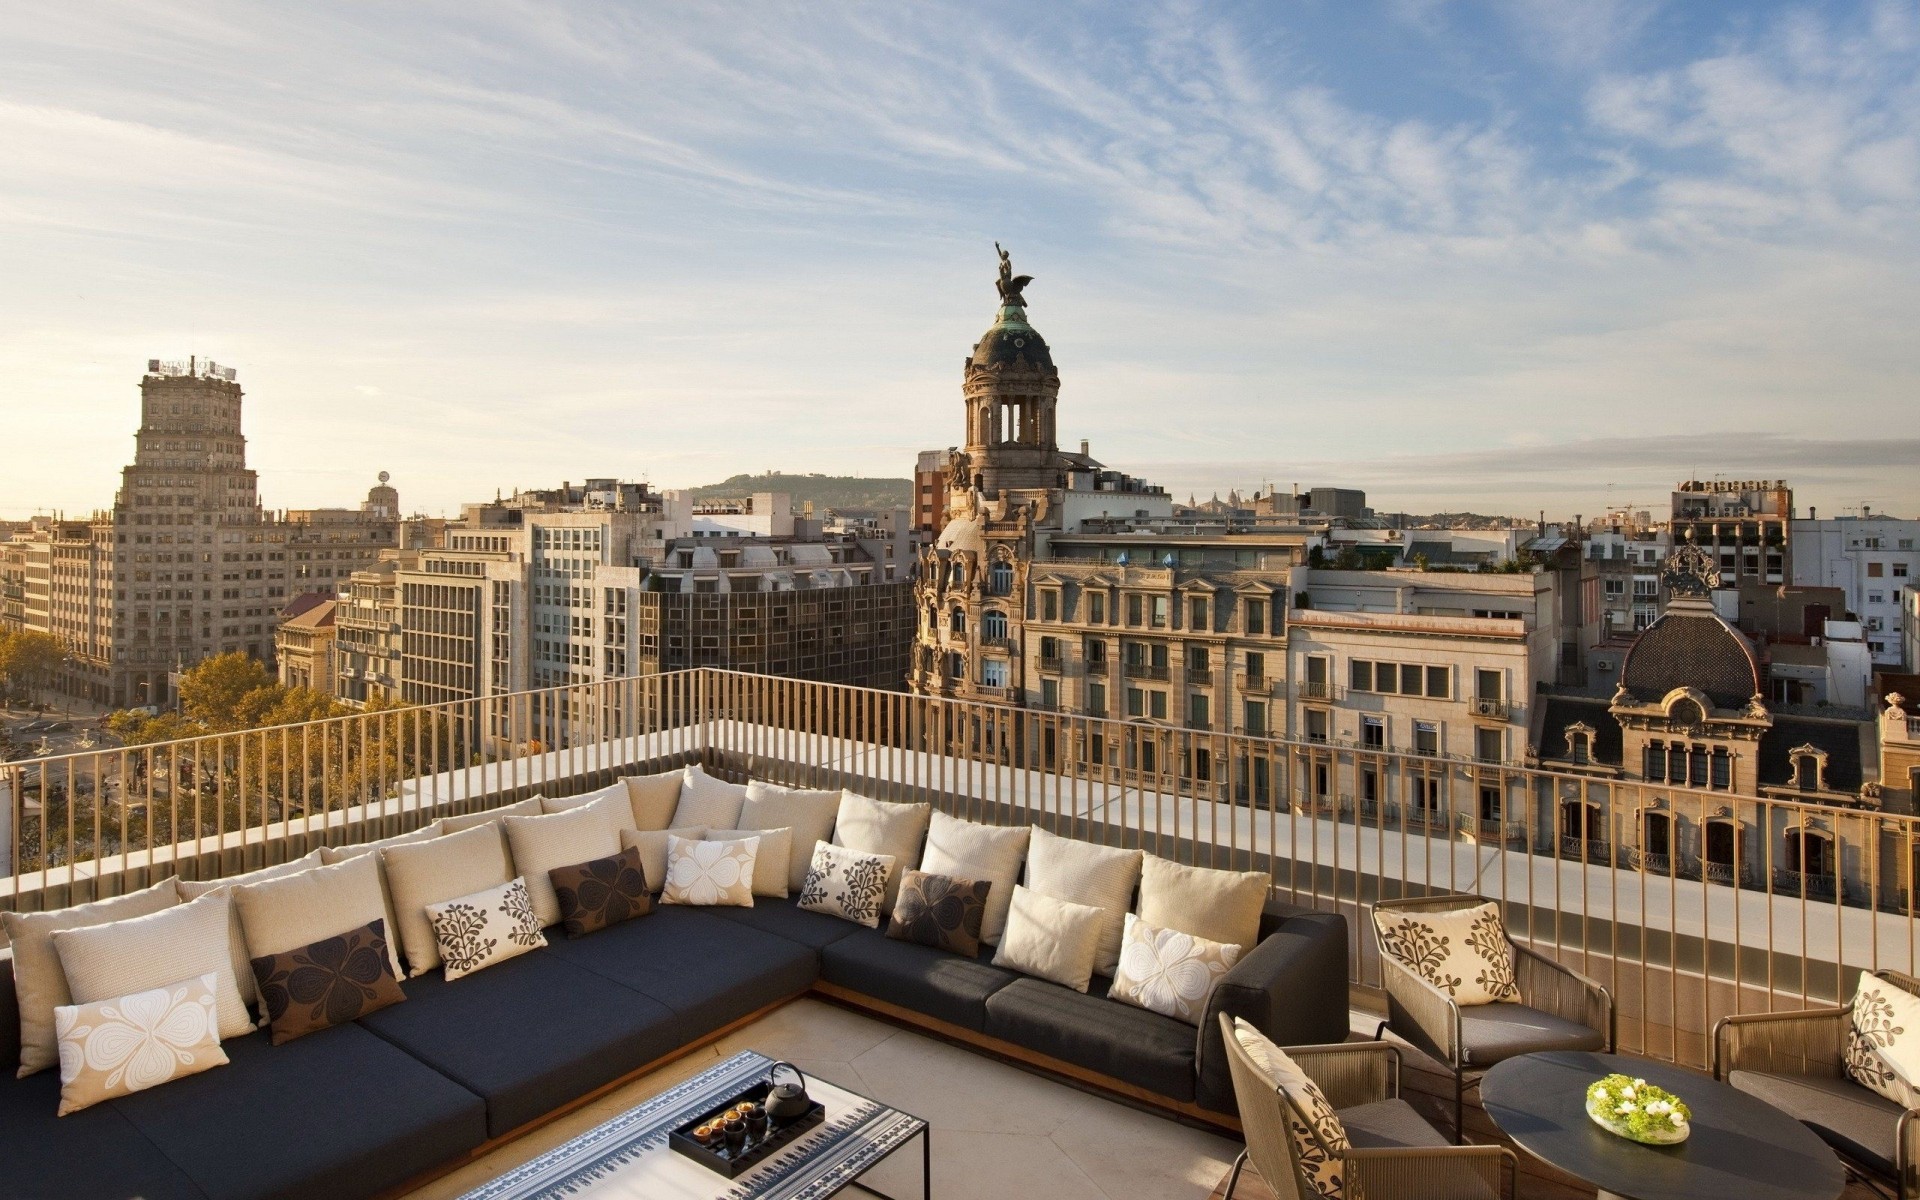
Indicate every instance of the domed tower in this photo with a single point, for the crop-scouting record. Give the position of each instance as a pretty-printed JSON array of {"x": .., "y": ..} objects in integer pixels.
[
  {"x": 383, "y": 500},
  {"x": 1011, "y": 389}
]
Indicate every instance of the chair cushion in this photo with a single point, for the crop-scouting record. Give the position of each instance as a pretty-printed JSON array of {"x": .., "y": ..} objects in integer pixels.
[
  {"x": 705, "y": 970},
  {"x": 1388, "y": 1124},
  {"x": 94, "y": 1154},
  {"x": 1085, "y": 1028},
  {"x": 1493, "y": 1033},
  {"x": 785, "y": 918},
  {"x": 337, "y": 1113},
  {"x": 528, "y": 1034},
  {"x": 1857, "y": 1122},
  {"x": 940, "y": 985}
]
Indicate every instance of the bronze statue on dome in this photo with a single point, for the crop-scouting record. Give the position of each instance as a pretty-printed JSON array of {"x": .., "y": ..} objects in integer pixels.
[{"x": 1011, "y": 285}]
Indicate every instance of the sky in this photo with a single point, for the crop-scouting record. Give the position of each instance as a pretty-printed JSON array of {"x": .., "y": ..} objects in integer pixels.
[{"x": 1512, "y": 256}]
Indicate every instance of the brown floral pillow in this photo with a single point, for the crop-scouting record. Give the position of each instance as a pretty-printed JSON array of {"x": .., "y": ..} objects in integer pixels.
[
  {"x": 603, "y": 892},
  {"x": 331, "y": 982},
  {"x": 940, "y": 911}
]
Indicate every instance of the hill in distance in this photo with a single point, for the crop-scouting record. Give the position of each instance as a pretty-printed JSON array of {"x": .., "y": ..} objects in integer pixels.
[{"x": 825, "y": 491}]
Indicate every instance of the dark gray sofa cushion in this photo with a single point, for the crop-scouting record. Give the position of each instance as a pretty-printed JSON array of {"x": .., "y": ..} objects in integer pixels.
[
  {"x": 928, "y": 981},
  {"x": 529, "y": 1034},
  {"x": 1087, "y": 1029},
  {"x": 1861, "y": 1124},
  {"x": 705, "y": 970},
  {"x": 1493, "y": 1033},
  {"x": 334, "y": 1114},
  {"x": 785, "y": 918},
  {"x": 1292, "y": 987},
  {"x": 95, "y": 1154}
]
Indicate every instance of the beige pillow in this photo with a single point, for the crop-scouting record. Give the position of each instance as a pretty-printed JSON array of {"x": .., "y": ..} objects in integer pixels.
[
  {"x": 299, "y": 910},
  {"x": 1081, "y": 872},
  {"x": 540, "y": 844},
  {"x": 1169, "y": 972},
  {"x": 1221, "y": 906},
  {"x": 965, "y": 850},
  {"x": 711, "y": 874},
  {"x": 485, "y": 928},
  {"x": 1464, "y": 953},
  {"x": 1050, "y": 939},
  {"x": 193, "y": 890},
  {"x": 809, "y": 814},
  {"x": 446, "y": 868},
  {"x": 774, "y": 850},
  {"x": 610, "y": 803},
  {"x": 105, "y": 962},
  {"x": 652, "y": 845},
  {"x": 38, "y": 983},
  {"x": 532, "y": 806},
  {"x": 128, "y": 1044},
  {"x": 330, "y": 855},
  {"x": 707, "y": 801},
  {"x": 654, "y": 797},
  {"x": 878, "y": 827}
]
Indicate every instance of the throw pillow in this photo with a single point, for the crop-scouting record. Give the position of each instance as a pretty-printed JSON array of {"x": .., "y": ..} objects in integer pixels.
[
  {"x": 939, "y": 911},
  {"x": 654, "y": 797},
  {"x": 540, "y": 844},
  {"x": 444, "y": 868},
  {"x": 105, "y": 962},
  {"x": 330, "y": 855},
  {"x": 331, "y": 982},
  {"x": 1051, "y": 939},
  {"x": 599, "y": 893},
  {"x": 809, "y": 814},
  {"x": 846, "y": 883},
  {"x": 707, "y": 801},
  {"x": 1319, "y": 1139},
  {"x": 532, "y": 806},
  {"x": 769, "y": 861},
  {"x": 39, "y": 985},
  {"x": 711, "y": 874},
  {"x": 893, "y": 831},
  {"x": 1883, "y": 1040},
  {"x": 610, "y": 802},
  {"x": 1169, "y": 972},
  {"x": 1464, "y": 953},
  {"x": 485, "y": 928},
  {"x": 987, "y": 853},
  {"x": 652, "y": 845},
  {"x": 194, "y": 889},
  {"x": 1083, "y": 873},
  {"x": 299, "y": 910},
  {"x": 128, "y": 1044},
  {"x": 1220, "y": 906}
]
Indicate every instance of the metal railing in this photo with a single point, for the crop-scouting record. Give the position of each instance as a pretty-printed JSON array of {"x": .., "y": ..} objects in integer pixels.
[
  {"x": 1677, "y": 952},
  {"x": 1141, "y": 670},
  {"x": 1311, "y": 689}
]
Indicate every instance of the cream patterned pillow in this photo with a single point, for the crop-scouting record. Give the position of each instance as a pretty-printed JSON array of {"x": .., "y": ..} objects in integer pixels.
[
  {"x": 118, "y": 1047},
  {"x": 485, "y": 928},
  {"x": 1463, "y": 953},
  {"x": 1055, "y": 940},
  {"x": 1883, "y": 1040},
  {"x": 1320, "y": 1142},
  {"x": 846, "y": 883},
  {"x": 1169, "y": 972},
  {"x": 710, "y": 874}
]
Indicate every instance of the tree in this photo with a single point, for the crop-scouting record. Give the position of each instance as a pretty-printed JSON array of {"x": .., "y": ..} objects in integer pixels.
[
  {"x": 28, "y": 659},
  {"x": 228, "y": 691}
]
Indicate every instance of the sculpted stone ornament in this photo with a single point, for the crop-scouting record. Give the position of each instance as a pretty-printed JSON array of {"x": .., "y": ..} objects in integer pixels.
[
  {"x": 1690, "y": 572},
  {"x": 1010, "y": 284}
]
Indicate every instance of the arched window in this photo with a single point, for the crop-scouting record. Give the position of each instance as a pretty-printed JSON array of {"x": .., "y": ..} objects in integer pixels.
[
  {"x": 993, "y": 624},
  {"x": 1808, "y": 852},
  {"x": 1685, "y": 714},
  {"x": 1580, "y": 742},
  {"x": 1809, "y": 768},
  {"x": 957, "y": 622},
  {"x": 956, "y": 573},
  {"x": 1000, "y": 578}
]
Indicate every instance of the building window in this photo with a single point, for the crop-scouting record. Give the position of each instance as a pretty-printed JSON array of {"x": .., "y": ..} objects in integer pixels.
[
  {"x": 1317, "y": 724},
  {"x": 1486, "y": 685},
  {"x": 1402, "y": 679},
  {"x": 993, "y": 624},
  {"x": 1256, "y": 616},
  {"x": 1426, "y": 738},
  {"x": 1254, "y": 713},
  {"x": 1876, "y": 570},
  {"x": 1096, "y": 699},
  {"x": 1199, "y": 712},
  {"x": 1197, "y": 659},
  {"x": 1256, "y": 667},
  {"x": 1049, "y": 605},
  {"x": 1136, "y": 702},
  {"x": 957, "y": 623},
  {"x": 1157, "y": 705},
  {"x": 993, "y": 672},
  {"x": 1136, "y": 610},
  {"x": 1000, "y": 578},
  {"x": 1097, "y": 608},
  {"x": 1809, "y": 769},
  {"x": 1159, "y": 610},
  {"x": 1489, "y": 745},
  {"x": 1373, "y": 733},
  {"x": 1197, "y": 613},
  {"x": 1050, "y": 693}
]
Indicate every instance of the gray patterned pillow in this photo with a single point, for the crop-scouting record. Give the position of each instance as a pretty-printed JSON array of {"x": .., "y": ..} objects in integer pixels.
[
  {"x": 846, "y": 883},
  {"x": 485, "y": 928}
]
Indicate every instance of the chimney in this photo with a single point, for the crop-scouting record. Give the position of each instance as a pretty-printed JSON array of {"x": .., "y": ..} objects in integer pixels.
[
  {"x": 1813, "y": 514},
  {"x": 1084, "y": 449}
]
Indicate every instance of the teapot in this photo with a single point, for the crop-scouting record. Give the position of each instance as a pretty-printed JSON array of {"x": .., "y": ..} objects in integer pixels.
[{"x": 785, "y": 1101}]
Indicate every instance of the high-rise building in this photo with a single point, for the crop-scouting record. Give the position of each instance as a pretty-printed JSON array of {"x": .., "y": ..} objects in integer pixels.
[
  {"x": 1742, "y": 523},
  {"x": 930, "y": 493},
  {"x": 1873, "y": 560}
]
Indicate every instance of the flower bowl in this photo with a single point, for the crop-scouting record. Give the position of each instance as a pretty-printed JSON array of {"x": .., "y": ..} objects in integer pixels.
[{"x": 1639, "y": 1111}]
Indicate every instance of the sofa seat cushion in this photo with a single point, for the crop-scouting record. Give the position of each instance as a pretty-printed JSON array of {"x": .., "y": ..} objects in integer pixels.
[
  {"x": 785, "y": 918},
  {"x": 1118, "y": 1040},
  {"x": 94, "y": 1154},
  {"x": 1496, "y": 1032},
  {"x": 1388, "y": 1125},
  {"x": 706, "y": 970},
  {"x": 529, "y": 1034},
  {"x": 336, "y": 1113},
  {"x": 1860, "y": 1124},
  {"x": 932, "y": 982}
]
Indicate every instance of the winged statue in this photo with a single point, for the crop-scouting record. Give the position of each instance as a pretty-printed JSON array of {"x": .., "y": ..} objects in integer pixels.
[{"x": 1010, "y": 284}]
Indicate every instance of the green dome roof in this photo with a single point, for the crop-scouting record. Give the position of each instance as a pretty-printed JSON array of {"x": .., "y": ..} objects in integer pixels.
[{"x": 1012, "y": 342}]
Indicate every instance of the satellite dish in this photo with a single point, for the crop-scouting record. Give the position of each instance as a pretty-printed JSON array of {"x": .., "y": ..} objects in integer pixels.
[{"x": 384, "y": 477}]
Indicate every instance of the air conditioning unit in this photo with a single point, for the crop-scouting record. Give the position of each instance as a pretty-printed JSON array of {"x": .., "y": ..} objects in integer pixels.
[{"x": 1486, "y": 708}]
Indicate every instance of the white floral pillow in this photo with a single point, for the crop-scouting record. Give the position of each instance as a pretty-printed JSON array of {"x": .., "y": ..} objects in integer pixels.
[
  {"x": 844, "y": 883},
  {"x": 1464, "y": 953},
  {"x": 117, "y": 1047},
  {"x": 485, "y": 928},
  {"x": 713, "y": 874},
  {"x": 1320, "y": 1141},
  {"x": 1169, "y": 972},
  {"x": 1883, "y": 1041}
]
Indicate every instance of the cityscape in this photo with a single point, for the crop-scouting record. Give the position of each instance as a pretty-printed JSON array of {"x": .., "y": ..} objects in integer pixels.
[{"x": 1260, "y": 697}]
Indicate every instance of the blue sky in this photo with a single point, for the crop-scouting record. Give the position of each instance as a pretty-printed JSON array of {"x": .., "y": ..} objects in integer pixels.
[{"x": 1504, "y": 256}]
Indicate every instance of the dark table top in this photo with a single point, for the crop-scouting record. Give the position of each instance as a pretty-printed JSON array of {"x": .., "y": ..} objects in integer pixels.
[{"x": 1741, "y": 1147}]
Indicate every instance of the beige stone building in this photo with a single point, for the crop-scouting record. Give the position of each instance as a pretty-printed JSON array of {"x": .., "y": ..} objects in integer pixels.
[{"x": 303, "y": 647}]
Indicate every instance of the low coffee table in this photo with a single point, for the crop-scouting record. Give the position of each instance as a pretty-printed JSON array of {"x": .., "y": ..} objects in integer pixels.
[
  {"x": 1741, "y": 1147},
  {"x": 628, "y": 1158}
]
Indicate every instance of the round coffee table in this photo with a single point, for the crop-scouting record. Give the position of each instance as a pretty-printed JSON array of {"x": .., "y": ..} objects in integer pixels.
[{"x": 1741, "y": 1148}]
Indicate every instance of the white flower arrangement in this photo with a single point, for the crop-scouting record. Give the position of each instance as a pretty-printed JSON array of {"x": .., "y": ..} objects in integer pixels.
[{"x": 1639, "y": 1111}]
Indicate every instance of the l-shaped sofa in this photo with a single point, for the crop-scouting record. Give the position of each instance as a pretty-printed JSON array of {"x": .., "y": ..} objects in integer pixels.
[{"x": 421, "y": 1087}]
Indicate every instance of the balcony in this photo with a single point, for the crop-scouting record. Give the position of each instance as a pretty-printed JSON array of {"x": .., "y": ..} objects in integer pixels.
[
  {"x": 1317, "y": 690},
  {"x": 1052, "y": 664},
  {"x": 1145, "y": 671},
  {"x": 1258, "y": 685},
  {"x": 1483, "y": 706},
  {"x": 1199, "y": 677},
  {"x": 1097, "y": 666}
]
